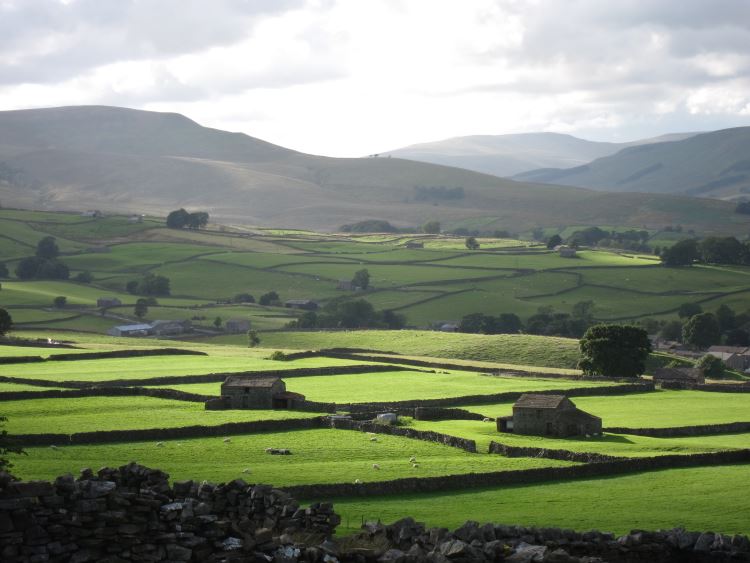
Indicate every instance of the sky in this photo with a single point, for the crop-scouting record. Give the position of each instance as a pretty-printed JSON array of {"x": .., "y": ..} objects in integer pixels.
[{"x": 357, "y": 77}]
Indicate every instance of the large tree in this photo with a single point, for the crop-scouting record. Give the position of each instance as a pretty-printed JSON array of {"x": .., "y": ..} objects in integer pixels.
[
  {"x": 701, "y": 331},
  {"x": 6, "y": 322},
  {"x": 7, "y": 446},
  {"x": 47, "y": 248},
  {"x": 361, "y": 279},
  {"x": 682, "y": 253},
  {"x": 614, "y": 351}
]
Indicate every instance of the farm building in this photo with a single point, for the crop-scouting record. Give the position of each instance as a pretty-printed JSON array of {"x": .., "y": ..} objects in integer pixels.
[
  {"x": 239, "y": 392},
  {"x": 735, "y": 357},
  {"x": 345, "y": 285},
  {"x": 414, "y": 244},
  {"x": 549, "y": 415},
  {"x": 566, "y": 252},
  {"x": 679, "y": 375},
  {"x": 135, "y": 219},
  {"x": 108, "y": 302},
  {"x": 237, "y": 326},
  {"x": 306, "y": 304},
  {"x": 131, "y": 330},
  {"x": 170, "y": 328},
  {"x": 92, "y": 213},
  {"x": 448, "y": 327}
]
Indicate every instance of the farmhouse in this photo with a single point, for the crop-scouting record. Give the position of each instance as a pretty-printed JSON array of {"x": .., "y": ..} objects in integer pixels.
[
  {"x": 549, "y": 415},
  {"x": 679, "y": 375},
  {"x": 130, "y": 330},
  {"x": 345, "y": 285},
  {"x": 735, "y": 357},
  {"x": 306, "y": 304},
  {"x": 242, "y": 392},
  {"x": 108, "y": 302},
  {"x": 237, "y": 326}
]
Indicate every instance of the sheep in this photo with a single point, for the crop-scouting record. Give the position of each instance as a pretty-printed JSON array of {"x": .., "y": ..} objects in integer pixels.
[
  {"x": 373, "y": 439},
  {"x": 375, "y": 466},
  {"x": 358, "y": 481},
  {"x": 370, "y": 433},
  {"x": 415, "y": 465},
  {"x": 159, "y": 444},
  {"x": 227, "y": 440},
  {"x": 412, "y": 459},
  {"x": 246, "y": 470},
  {"x": 53, "y": 447},
  {"x": 485, "y": 419}
]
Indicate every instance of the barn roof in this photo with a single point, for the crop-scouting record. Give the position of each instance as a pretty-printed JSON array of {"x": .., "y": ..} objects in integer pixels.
[
  {"x": 688, "y": 374},
  {"x": 239, "y": 381},
  {"x": 539, "y": 401}
]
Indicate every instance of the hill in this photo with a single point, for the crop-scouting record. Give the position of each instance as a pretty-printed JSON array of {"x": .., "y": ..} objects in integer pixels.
[
  {"x": 127, "y": 160},
  {"x": 712, "y": 164},
  {"x": 508, "y": 155}
]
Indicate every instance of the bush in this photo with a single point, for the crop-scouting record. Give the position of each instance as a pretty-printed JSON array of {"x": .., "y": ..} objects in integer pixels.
[
  {"x": 243, "y": 298},
  {"x": 84, "y": 277},
  {"x": 6, "y": 322},
  {"x": 34, "y": 267},
  {"x": 4, "y": 270},
  {"x": 712, "y": 366},
  {"x": 60, "y": 301},
  {"x": 150, "y": 284},
  {"x": 270, "y": 298},
  {"x": 279, "y": 356}
]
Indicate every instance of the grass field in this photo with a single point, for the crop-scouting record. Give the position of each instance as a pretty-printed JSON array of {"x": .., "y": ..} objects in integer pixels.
[
  {"x": 318, "y": 456},
  {"x": 696, "y": 499}
]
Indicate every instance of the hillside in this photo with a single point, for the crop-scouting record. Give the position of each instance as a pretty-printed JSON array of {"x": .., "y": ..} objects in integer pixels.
[
  {"x": 135, "y": 161},
  {"x": 712, "y": 164},
  {"x": 508, "y": 155}
]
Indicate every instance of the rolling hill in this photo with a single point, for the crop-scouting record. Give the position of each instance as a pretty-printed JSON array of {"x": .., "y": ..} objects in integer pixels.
[
  {"x": 125, "y": 160},
  {"x": 508, "y": 155},
  {"x": 715, "y": 164}
]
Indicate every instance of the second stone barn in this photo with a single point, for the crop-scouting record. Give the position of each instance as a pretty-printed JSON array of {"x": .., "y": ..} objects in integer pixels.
[
  {"x": 242, "y": 392},
  {"x": 549, "y": 415}
]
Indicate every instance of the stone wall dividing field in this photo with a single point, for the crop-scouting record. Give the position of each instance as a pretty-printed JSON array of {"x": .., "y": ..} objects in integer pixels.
[
  {"x": 425, "y": 435},
  {"x": 20, "y": 360},
  {"x": 680, "y": 431},
  {"x": 134, "y": 353},
  {"x": 172, "y": 394},
  {"x": 518, "y": 477},
  {"x": 132, "y": 514},
  {"x": 544, "y": 453},
  {"x": 492, "y": 398}
]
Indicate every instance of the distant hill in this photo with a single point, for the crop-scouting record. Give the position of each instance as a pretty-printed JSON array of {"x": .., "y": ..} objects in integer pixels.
[
  {"x": 125, "y": 160},
  {"x": 715, "y": 164},
  {"x": 508, "y": 155}
]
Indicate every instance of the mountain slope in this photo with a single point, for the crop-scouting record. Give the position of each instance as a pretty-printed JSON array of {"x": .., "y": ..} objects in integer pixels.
[
  {"x": 508, "y": 155},
  {"x": 715, "y": 164},
  {"x": 135, "y": 161}
]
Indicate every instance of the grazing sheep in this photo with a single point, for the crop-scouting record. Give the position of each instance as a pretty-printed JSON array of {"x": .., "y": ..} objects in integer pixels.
[
  {"x": 412, "y": 459},
  {"x": 246, "y": 470},
  {"x": 370, "y": 433},
  {"x": 159, "y": 444},
  {"x": 53, "y": 447},
  {"x": 375, "y": 466},
  {"x": 485, "y": 419},
  {"x": 373, "y": 439},
  {"x": 415, "y": 465},
  {"x": 227, "y": 440},
  {"x": 358, "y": 481}
]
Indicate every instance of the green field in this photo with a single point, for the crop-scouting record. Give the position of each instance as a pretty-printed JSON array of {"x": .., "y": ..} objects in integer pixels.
[
  {"x": 657, "y": 500},
  {"x": 318, "y": 456}
]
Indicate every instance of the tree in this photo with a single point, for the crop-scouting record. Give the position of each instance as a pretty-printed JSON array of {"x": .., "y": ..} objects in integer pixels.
[
  {"x": 47, "y": 248},
  {"x": 84, "y": 277},
  {"x": 392, "y": 320},
  {"x": 140, "y": 309},
  {"x": 132, "y": 287},
  {"x": 269, "y": 298},
  {"x": 60, "y": 301},
  {"x": 431, "y": 227},
  {"x": 726, "y": 317},
  {"x": 711, "y": 366},
  {"x": 553, "y": 241},
  {"x": 614, "y": 351},
  {"x": 243, "y": 298},
  {"x": 252, "y": 339},
  {"x": 472, "y": 243},
  {"x": 197, "y": 220},
  {"x": 27, "y": 268},
  {"x": 149, "y": 284},
  {"x": 361, "y": 279},
  {"x": 721, "y": 250},
  {"x": 701, "y": 331},
  {"x": 34, "y": 267},
  {"x": 682, "y": 253},
  {"x": 671, "y": 330},
  {"x": 7, "y": 446},
  {"x": 6, "y": 322},
  {"x": 688, "y": 310},
  {"x": 738, "y": 337},
  {"x": 217, "y": 322},
  {"x": 4, "y": 270},
  {"x": 178, "y": 219}
]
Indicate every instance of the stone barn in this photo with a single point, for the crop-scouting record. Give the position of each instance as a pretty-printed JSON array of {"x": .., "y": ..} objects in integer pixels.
[
  {"x": 686, "y": 376},
  {"x": 549, "y": 415},
  {"x": 239, "y": 392}
]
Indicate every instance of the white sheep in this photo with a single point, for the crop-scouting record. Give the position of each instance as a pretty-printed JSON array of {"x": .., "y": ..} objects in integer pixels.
[
  {"x": 375, "y": 466},
  {"x": 53, "y": 447},
  {"x": 159, "y": 444},
  {"x": 485, "y": 419},
  {"x": 415, "y": 465},
  {"x": 227, "y": 440},
  {"x": 370, "y": 433},
  {"x": 246, "y": 470},
  {"x": 373, "y": 439},
  {"x": 412, "y": 459},
  {"x": 358, "y": 481}
]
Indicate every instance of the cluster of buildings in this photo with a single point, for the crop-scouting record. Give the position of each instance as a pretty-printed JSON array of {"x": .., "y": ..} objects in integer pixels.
[
  {"x": 153, "y": 328},
  {"x": 735, "y": 357}
]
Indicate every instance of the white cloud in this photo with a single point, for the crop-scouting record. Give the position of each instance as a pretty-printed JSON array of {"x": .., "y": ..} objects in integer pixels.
[{"x": 350, "y": 78}]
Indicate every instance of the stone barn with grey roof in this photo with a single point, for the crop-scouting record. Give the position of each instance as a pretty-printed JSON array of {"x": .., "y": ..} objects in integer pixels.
[
  {"x": 549, "y": 415},
  {"x": 244, "y": 392}
]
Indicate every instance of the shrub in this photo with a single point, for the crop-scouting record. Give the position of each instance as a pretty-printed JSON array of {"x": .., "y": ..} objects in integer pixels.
[
  {"x": 60, "y": 301},
  {"x": 711, "y": 366},
  {"x": 279, "y": 356}
]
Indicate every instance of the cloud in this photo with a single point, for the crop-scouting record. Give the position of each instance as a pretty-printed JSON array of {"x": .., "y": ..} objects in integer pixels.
[{"x": 349, "y": 78}]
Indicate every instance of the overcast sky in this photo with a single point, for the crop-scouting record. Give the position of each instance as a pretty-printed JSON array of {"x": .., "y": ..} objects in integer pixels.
[{"x": 354, "y": 77}]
